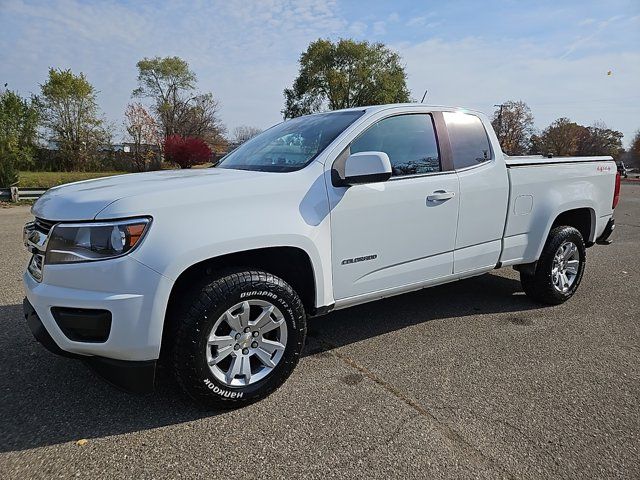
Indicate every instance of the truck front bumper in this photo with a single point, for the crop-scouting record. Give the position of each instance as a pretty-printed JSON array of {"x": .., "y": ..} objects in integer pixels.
[
  {"x": 108, "y": 313},
  {"x": 132, "y": 376}
]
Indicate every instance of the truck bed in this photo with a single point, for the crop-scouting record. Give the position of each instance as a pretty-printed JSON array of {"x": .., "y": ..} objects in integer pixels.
[
  {"x": 541, "y": 188},
  {"x": 526, "y": 160}
]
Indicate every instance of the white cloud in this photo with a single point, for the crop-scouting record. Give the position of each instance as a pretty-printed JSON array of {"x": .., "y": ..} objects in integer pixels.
[
  {"x": 420, "y": 21},
  {"x": 584, "y": 40},
  {"x": 246, "y": 53},
  {"x": 586, "y": 22},
  {"x": 477, "y": 73},
  {"x": 379, "y": 28},
  {"x": 358, "y": 28}
]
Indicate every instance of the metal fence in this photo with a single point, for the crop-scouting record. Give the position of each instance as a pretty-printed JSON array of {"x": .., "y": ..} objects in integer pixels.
[{"x": 23, "y": 193}]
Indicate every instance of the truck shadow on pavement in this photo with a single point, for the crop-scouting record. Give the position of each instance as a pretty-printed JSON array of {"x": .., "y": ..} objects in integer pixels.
[
  {"x": 488, "y": 293},
  {"x": 49, "y": 400}
]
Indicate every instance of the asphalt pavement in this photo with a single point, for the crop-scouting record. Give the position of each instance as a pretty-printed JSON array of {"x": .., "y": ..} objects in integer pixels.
[{"x": 469, "y": 379}]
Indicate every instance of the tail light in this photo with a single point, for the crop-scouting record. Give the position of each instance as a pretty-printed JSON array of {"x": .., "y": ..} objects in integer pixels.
[{"x": 616, "y": 191}]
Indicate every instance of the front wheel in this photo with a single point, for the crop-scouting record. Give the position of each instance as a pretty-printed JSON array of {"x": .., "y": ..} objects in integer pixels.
[
  {"x": 559, "y": 270},
  {"x": 238, "y": 339}
]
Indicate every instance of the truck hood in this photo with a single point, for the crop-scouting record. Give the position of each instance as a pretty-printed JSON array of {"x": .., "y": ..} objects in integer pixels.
[{"x": 84, "y": 200}]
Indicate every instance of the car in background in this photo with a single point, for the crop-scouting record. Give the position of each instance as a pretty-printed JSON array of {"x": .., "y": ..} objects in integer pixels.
[{"x": 622, "y": 169}]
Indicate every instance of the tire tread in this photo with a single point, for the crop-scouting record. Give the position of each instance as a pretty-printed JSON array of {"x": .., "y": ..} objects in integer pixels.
[{"x": 539, "y": 286}]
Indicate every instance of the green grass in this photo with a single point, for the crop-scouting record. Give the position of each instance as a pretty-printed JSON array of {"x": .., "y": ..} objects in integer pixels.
[
  {"x": 19, "y": 203},
  {"x": 52, "y": 179}
]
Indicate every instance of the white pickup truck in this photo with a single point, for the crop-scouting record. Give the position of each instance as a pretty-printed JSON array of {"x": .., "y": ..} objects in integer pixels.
[{"x": 215, "y": 271}]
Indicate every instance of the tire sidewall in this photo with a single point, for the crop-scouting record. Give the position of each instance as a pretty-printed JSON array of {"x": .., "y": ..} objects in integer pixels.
[{"x": 268, "y": 288}]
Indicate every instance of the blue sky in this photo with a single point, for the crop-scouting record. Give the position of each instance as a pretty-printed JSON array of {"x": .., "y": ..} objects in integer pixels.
[{"x": 554, "y": 55}]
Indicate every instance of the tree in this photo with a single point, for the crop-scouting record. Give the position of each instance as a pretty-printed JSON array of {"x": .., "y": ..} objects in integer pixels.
[
  {"x": 632, "y": 156},
  {"x": 186, "y": 151},
  {"x": 635, "y": 145},
  {"x": 536, "y": 145},
  {"x": 600, "y": 140},
  {"x": 345, "y": 74},
  {"x": 634, "y": 151},
  {"x": 70, "y": 114},
  {"x": 566, "y": 138},
  {"x": 513, "y": 124},
  {"x": 18, "y": 130},
  {"x": 144, "y": 134},
  {"x": 200, "y": 119},
  {"x": 561, "y": 139},
  {"x": 245, "y": 132},
  {"x": 171, "y": 84},
  {"x": 167, "y": 81}
]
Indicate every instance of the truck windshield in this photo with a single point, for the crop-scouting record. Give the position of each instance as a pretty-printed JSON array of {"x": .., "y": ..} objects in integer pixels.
[{"x": 290, "y": 145}]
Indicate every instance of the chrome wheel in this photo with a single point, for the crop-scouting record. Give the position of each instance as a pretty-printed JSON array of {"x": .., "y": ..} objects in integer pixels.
[
  {"x": 246, "y": 343},
  {"x": 566, "y": 263}
]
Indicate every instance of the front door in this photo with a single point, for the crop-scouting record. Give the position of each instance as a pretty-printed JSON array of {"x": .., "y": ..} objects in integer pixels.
[{"x": 402, "y": 232}]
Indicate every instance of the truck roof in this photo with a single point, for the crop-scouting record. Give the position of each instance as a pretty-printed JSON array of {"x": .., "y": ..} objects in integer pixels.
[{"x": 435, "y": 108}]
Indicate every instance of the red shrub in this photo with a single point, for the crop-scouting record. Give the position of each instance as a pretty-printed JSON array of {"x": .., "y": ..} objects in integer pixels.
[{"x": 186, "y": 151}]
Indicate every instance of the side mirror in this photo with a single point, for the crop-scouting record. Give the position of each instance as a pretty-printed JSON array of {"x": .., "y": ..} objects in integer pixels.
[{"x": 367, "y": 167}]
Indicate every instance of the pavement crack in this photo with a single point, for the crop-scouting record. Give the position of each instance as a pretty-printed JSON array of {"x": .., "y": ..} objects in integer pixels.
[
  {"x": 449, "y": 433},
  {"x": 371, "y": 449},
  {"x": 506, "y": 423}
]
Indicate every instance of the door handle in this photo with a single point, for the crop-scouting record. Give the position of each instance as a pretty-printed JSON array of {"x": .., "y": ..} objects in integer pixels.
[{"x": 440, "y": 196}]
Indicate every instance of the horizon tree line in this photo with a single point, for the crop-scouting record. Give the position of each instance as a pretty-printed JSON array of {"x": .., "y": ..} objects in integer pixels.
[{"x": 182, "y": 122}]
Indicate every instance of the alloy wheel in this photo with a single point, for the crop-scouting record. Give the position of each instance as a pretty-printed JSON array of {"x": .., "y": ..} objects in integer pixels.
[
  {"x": 246, "y": 343},
  {"x": 565, "y": 267}
]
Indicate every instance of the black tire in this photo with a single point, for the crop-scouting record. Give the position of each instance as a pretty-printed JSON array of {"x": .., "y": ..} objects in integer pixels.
[
  {"x": 197, "y": 316},
  {"x": 539, "y": 286}
]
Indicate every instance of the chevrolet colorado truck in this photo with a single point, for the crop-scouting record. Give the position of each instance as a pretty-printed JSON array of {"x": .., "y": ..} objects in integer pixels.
[{"x": 213, "y": 272}]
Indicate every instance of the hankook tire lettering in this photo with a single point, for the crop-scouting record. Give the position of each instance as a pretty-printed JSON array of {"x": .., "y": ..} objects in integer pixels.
[{"x": 224, "y": 393}]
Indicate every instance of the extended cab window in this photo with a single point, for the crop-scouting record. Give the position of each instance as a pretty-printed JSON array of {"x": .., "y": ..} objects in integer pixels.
[
  {"x": 409, "y": 140},
  {"x": 469, "y": 141}
]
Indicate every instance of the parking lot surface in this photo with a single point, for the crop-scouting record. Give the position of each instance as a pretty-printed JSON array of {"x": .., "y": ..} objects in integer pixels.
[{"x": 464, "y": 380}]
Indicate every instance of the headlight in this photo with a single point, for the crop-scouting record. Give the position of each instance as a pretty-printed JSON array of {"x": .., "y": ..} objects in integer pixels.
[{"x": 86, "y": 242}]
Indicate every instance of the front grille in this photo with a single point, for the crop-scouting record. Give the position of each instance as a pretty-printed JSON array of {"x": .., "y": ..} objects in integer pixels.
[
  {"x": 43, "y": 226},
  {"x": 35, "y": 235},
  {"x": 35, "y": 266}
]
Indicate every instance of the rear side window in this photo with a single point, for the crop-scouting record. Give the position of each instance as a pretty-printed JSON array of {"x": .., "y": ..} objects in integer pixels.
[
  {"x": 469, "y": 141},
  {"x": 409, "y": 140}
]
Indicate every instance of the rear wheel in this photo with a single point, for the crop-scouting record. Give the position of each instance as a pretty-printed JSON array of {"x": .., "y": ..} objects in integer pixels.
[
  {"x": 238, "y": 339},
  {"x": 560, "y": 268}
]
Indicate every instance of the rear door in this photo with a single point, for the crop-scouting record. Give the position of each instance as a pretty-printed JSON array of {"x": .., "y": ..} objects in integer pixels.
[
  {"x": 401, "y": 232},
  {"x": 484, "y": 193}
]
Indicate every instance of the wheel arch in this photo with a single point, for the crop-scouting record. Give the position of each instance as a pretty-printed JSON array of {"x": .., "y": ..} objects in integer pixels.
[
  {"x": 292, "y": 264},
  {"x": 582, "y": 219}
]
